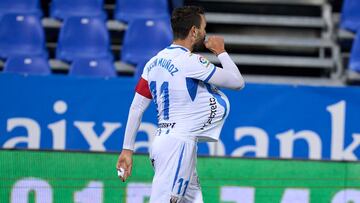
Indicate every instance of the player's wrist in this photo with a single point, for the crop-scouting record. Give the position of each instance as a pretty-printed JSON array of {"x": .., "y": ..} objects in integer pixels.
[
  {"x": 217, "y": 53},
  {"x": 127, "y": 151}
]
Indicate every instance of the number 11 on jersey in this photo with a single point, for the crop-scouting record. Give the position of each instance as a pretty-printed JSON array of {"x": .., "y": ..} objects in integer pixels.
[{"x": 164, "y": 93}]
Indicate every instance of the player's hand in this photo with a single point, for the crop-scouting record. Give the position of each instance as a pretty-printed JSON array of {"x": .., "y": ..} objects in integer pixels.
[
  {"x": 215, "y": 44},
  {"x": 125, "y": 162}
]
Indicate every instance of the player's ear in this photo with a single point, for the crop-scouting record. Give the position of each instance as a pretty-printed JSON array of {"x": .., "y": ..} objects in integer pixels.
[{"x": 193, "y": 32}]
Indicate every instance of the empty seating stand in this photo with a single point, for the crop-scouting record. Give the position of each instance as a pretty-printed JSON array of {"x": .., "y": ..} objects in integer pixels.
[
  {"x": 261, "y": 35},
  {"x": 275, "y": 33}
]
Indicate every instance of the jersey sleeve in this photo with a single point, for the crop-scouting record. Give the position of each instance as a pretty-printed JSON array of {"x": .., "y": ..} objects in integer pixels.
[
  {"x": 142, "y": 88},
  {"x": 198, "y": 67}
]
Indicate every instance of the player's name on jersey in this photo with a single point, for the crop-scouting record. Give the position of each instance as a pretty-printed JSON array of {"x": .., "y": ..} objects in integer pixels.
[{"x": 163, "y": 63}]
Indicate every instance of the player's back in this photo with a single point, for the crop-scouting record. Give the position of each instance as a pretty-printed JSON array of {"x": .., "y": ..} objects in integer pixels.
[{"x": 186, "y": 103}]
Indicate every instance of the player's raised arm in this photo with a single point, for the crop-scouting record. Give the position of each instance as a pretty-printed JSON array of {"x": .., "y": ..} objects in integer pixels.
[
  {"x": 139, "y": 104},
  {"x": 229, "y": 76}
]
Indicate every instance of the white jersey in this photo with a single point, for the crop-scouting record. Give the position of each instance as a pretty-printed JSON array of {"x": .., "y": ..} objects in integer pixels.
[{"x": 186, "y": 103}]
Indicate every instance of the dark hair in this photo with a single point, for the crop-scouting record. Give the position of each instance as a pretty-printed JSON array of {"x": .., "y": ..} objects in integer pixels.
[{"x": 184, "y": 18}]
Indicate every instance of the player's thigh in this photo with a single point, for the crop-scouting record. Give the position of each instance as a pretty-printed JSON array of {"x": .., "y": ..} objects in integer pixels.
[{"x": 174, "y": 164}]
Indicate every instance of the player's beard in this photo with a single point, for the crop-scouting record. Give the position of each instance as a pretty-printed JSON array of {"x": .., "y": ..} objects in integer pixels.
[{"x": 199, "y": 44}]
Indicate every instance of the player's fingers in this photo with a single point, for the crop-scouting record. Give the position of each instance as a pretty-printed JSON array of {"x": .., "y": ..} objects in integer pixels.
[
  {"x": 126, "y": 175},
  {"x": 209, "y": 45},
  {"x": 125, "y": 167},
  {"x": 206, "y": 43},
  {"x": 118, "y": 164},
  {"x": 121, "y": 178},
  {"x": 216, "y": 39},
  {"x": 130, "y": 170},
  {"x": 122, "y": 165}
]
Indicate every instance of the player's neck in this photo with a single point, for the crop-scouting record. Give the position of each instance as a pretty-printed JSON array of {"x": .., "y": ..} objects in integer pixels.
[{"x": 185, "y": 43}]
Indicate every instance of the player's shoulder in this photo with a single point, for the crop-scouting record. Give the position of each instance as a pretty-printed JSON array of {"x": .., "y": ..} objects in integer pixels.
[
  {"x": 196, "y": 59},
  {"x": 192, "y": 55}
]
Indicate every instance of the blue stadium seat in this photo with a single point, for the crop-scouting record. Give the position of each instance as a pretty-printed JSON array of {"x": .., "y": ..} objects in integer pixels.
[
  {"x": 20, "y": 6},
  {"x": 93, "y": 67},
  {"x": 21, "y": 35},
  {"x": 177, "y": 3},
  {"x": 62, "y": 9},
  {"x": 82, "y": 37},
  {"x": 350, "y": 15},
  {"x": 139, "y": 70},
  {"x": 144, "y": 38},
  {"x": 355, "y": 54},
  {"x": 127, "y": 10},
  {"x": 36, "y": 65}
]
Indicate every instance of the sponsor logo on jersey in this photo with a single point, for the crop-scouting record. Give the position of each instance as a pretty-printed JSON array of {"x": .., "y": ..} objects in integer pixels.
[
  {"x": 213, "y": 110},
  {"x": 166, "y": 125}
]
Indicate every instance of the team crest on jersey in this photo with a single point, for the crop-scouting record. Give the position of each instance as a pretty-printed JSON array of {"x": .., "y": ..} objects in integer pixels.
[{"x": 204, "y": 61}]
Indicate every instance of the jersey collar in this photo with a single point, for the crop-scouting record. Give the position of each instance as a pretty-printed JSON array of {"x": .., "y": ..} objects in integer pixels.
[{"x": 175, "y": 46}]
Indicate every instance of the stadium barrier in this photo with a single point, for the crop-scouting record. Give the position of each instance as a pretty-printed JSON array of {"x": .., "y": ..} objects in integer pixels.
[
  {"x": 55, "y": 177},
  {"x": 89, "y": 114}
]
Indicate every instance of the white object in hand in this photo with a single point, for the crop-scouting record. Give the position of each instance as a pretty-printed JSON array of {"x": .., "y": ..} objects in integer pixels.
[{"x": 121, "y": 172}]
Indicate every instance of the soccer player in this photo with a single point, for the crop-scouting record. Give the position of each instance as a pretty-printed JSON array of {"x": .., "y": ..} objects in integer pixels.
[{"x": 183, "y": 85}]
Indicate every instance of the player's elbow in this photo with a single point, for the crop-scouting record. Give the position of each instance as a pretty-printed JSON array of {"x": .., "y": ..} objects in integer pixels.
[
  {"x": 239, "y": 87},
  {"x": 239, "y": 84}
]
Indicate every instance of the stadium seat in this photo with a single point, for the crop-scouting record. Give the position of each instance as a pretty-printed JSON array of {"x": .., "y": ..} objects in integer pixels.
[
  {"x": 177, "y": 3},
  {"x": 93, "y": 67},
  {"x": 82, "y": 37},
  {"x": 144, "y": 38},
  {"x": 21, "y": 35},
  {"x": 127, "y": 10},
  {"x": 27, "y": 64},
  {"x": 350, "y": 15},
  {"x": 62, "y": 9},
  {"x": 139, "y": 70},
  {"x": 355, "y": 54},
  {"x": 20, "y": 6}
]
